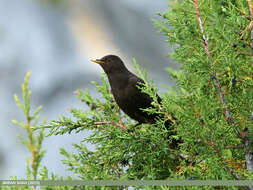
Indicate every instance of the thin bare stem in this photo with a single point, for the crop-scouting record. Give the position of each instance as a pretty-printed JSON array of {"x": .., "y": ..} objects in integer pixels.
[
  {"x": 122, "y": 126},
  {"x": 250, "y": 7},
  {"x": 234, "y": 147},
  {"x": 251, "y": 28},
  {"x": 205, "y": 41}
]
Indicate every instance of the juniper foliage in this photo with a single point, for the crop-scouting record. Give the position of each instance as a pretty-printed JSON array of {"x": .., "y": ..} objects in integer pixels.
[{"x": 212, "y": 104}]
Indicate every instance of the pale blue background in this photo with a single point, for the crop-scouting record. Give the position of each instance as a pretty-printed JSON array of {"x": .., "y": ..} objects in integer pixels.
[{"x": 56, "y": 45}]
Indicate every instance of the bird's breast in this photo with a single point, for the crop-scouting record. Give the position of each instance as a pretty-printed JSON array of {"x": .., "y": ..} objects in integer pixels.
[{"x": 129, "y": 98}]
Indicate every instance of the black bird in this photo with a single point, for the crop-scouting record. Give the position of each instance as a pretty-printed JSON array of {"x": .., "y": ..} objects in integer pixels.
[
  {"x": 124, "y": 89},
  {"x": 126, "y": 93}
]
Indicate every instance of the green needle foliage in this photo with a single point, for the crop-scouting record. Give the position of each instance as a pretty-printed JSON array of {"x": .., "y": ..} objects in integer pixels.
[
  {"x": 33, "y": 142},
  {"x": 212, "y": 105},
  {"x": 122, "y": 151},
  {"x": 212, "y": 40}
]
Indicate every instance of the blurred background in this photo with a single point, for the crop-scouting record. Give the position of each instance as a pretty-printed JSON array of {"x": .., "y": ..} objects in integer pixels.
[{"x": 55, "y": 40}]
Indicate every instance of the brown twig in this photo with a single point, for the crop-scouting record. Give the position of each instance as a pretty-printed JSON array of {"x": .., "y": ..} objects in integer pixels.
[
  {"x": 243, "y": 53},
  {"x": 251, "y": 15},
  {"x": 246, "y": 15},
  {"x": 234, "y": 147},
  {"x": 122, "y": 126},
  {"x": 218, "y": 151},
  {"x": 202, "y": 122},
  {"x": 222, "y": 98},
  {"x": 213, "y": 143},
  {"x": 250, "y": 7},
  {"x": 201, "y": 28},
  {"x": 228, "y": 168}
]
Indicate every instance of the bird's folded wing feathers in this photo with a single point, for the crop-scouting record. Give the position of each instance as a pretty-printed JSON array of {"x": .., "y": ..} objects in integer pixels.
[{"x": 136, "y": 81}]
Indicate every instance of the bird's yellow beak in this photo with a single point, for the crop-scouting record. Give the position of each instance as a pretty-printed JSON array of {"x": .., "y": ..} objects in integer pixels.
[{"x": 97, "y": 61}]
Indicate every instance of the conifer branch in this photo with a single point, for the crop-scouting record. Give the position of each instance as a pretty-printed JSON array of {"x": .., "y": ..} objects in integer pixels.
[
  {"x": 246, "y": 15},
  {"x": 247, "y": 142},
  {"x": 205, "y": 41},
  {"x": 228, "y": 169},
  {"x": 221, "y": 94},
  {"x": 34, "y": 142},
  {"x": 216, "y": 81},
  {"x": 234, "y": 147},
  {"x": 251, "y": 28},
  {"x": 249, "y": 155},
  {"x": 122, "y": 126},
  {"x": 226, "y": 163},
  {"x": 250, "y": 7},
  {"x": 222, "y": 98}
]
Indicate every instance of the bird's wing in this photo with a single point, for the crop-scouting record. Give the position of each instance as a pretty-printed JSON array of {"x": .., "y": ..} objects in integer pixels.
[
  {"x": 134, "y": 80},
  {"x": 143, "y": 99}
]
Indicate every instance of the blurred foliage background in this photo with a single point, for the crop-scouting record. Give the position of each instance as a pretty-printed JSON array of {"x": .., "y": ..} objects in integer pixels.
[{"x": 55, "y": 40}]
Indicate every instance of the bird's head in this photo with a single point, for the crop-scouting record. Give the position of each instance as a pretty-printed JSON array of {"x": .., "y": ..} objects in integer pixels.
[{"x": 111, "y": 64}]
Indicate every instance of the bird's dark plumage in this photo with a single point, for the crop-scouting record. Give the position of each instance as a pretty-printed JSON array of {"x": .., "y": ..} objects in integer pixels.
[
  {"x": 128, "y": 96},
  {"x": 125, "y": 91}
]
